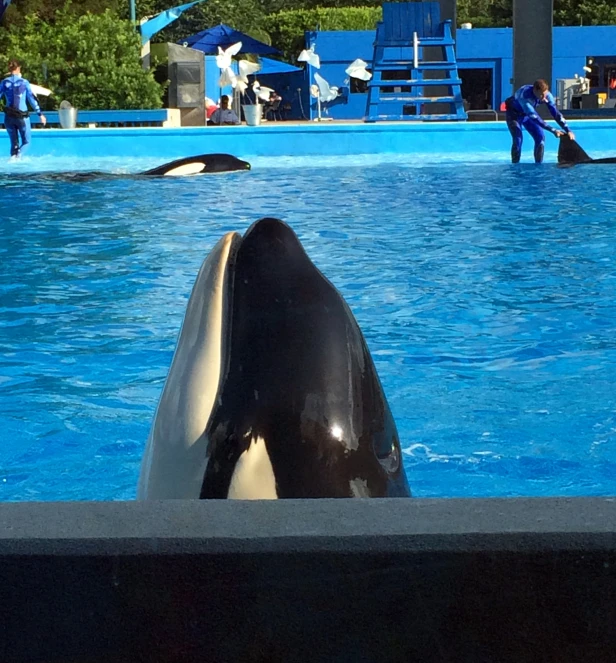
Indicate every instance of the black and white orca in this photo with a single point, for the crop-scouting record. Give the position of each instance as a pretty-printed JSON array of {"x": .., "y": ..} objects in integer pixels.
[
  {"x": 570, "y": 154},
  {"x": 199, "y": 165},
  {"x": 272, "y": 392}
]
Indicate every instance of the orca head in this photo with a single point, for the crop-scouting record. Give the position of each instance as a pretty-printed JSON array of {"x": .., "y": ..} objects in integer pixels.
[
  {"x": 272, "y": 392},
  {"x": 570, "y": 152}
]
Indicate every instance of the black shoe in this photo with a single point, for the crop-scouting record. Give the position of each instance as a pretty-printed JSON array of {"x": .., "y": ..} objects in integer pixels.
[{"x": 539, "y": 149}]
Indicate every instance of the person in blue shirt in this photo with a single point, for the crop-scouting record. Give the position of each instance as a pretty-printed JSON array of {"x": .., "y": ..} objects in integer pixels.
[
  {"x": 521, "y": 112},
  {"x": 224, "y": 114},
  {"x": 15, "y": 91}
]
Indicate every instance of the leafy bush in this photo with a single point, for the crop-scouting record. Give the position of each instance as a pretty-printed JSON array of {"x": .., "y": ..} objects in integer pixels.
[{"x": 93, "y": 61}]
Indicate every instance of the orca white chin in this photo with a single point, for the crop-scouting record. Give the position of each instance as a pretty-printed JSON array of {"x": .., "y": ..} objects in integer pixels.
[
  {"x": 272, "y": 392},
  {"x": 253, "y": 477}
]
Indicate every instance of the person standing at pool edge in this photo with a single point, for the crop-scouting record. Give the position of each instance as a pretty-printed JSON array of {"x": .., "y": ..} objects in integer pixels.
[
  {"x": 16, "y": 92},
  {"x": 521, "y": 112}
]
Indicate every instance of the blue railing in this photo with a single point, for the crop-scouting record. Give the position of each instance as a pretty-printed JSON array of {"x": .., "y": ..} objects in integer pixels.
[{"x": 112, "y": 118}]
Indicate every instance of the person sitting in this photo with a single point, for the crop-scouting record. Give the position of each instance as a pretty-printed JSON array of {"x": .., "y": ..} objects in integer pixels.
[
  {"x": 224, "y": 114},
  {"x": 272, "y": 105}
]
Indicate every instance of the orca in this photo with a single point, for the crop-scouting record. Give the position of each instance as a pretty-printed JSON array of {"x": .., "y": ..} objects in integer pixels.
[
  {"x": 204, "y": 163},
  {"x": 272, "y": 392},
  {"x": 198, "y": 165},
  {"x": 570, "y": 154}
]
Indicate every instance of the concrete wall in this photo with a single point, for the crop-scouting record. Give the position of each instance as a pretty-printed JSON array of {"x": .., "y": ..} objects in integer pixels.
[
  {"x": 277, "y": 139},
  {"x": 436, "y": 581},
  {"x": 532, "y": 41}
]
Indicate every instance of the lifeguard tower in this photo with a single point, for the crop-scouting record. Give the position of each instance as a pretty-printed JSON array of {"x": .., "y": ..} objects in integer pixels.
[{"x": 402, "y": 85}]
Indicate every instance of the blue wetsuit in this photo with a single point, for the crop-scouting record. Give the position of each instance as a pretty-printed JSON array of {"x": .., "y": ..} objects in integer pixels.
[
  {"x": 521, "y": 111},
  {"x": 16, "y": 91}
]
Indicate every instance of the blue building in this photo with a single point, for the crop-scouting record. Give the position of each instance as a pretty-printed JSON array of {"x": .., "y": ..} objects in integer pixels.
[{"x": 485, "y": 62}]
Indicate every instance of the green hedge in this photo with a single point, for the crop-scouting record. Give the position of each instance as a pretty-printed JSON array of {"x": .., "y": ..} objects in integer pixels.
[
  {"x": 286, "y": 28},
  {"x": 93, "y": 61}
]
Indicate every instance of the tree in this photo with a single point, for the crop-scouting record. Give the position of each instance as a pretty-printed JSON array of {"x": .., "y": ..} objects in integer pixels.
[
  {"x": 47, "y": 10},
  {"x": 498, "y": 13},
  {"x": 584, "y": 12},
  {"x": 485, "y": 13},
  {"x": 91, "y": 60},
  {"x": 288, "y": 27},
  {"x": 244, "y": 15}
]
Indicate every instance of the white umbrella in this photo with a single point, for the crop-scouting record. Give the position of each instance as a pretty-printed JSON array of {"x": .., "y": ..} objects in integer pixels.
[
  {"x": 323, "y": 93},
  {"x": 357, "y": 69},
  {"x": 261, "y": 92},
  {"x": 227, "y": 77},
  {"x": 38, "y": 90},
  {"x": 327, "y": 92},
  {"x": 224, "y": 57},
  {"x": 246, "y": 69},
  {"x": 310, "y": 57}
]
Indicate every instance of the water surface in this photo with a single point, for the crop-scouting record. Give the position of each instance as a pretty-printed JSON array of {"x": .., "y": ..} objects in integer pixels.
[{"x": 485, "y": 291}]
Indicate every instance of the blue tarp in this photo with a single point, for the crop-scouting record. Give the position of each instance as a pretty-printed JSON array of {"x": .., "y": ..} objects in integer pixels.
[
  {"x": 269, "y": 66},
  {"x": 224, "y": 36},
  {"x": 162, "y": 20}
]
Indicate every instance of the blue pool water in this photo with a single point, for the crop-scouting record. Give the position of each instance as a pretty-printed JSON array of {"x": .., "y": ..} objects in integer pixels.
[{"x": 486, "y": 293}]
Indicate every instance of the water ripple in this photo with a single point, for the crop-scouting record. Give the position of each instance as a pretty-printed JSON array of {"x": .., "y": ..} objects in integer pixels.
[{"x": 486, "y": 294}]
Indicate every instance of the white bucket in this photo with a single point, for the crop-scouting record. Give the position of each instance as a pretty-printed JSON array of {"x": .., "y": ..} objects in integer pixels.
[
  {"x": 67, "y": 117},
  {"x": 253, "y": 114}
]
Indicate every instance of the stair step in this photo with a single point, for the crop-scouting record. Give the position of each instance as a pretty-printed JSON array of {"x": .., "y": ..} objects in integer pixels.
[
  {"x": 423, "y": 118},
  {"x": 413, "y": 82},
  {"x": 417, "y": 100},
  {"x": 423, "y": 41},
  {"x": 437, "y": 64},
  {"x": 389, "y": 65}
]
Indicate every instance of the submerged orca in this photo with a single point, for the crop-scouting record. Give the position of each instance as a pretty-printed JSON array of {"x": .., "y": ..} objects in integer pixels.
[
  {"x": 198, "y": 165},
  {"x": 272, "y": 392},
  {"x": 570, "y": 154}
]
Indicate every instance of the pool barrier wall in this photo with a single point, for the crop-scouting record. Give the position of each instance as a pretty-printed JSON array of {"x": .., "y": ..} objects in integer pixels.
[
  {"x": 425, "y": 580},
  {"x": 478, "y": 139}
]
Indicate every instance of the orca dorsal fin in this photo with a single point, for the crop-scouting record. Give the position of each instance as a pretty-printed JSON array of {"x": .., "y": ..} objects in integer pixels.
[{"x": 570, "y": 153}]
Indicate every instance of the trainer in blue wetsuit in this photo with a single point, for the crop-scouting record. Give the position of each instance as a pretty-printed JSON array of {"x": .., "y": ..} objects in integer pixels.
[
  {"x": 521, "y": 112},
  {"x": 16, "y": 91}
]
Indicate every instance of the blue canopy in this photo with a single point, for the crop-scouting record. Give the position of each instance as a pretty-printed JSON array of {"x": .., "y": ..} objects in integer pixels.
[
  {"x": 222, "y": 35},
  {"x": 269, "y": 66}
]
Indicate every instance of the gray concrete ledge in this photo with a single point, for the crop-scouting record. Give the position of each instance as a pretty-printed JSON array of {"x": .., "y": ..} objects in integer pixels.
[
  {"x": 324, "y": 580},
  {"x": 220, "y": 527}
]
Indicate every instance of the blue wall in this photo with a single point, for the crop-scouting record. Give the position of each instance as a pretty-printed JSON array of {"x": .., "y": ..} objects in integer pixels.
[
  {"x": 488, "y": 48},
  {"x": 276, "y": 139},
  {"x": 337, "y": 50},
  {"x": 479, "y": 48}
]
